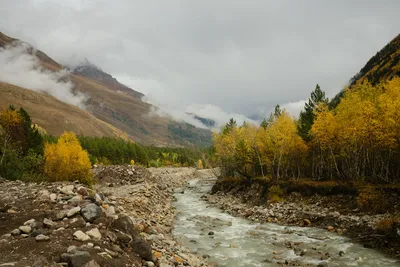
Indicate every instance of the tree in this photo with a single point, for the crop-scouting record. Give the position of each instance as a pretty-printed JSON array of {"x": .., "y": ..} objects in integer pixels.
[
  {"x": 67, "y": 161},
  {"x": 307, "y": 116}
]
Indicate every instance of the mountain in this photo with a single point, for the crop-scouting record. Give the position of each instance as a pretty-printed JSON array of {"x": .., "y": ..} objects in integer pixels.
[
  {"x": 93, "y": 72},
  {"x": 383, "y": 66},
  {"x": 114, "y": 104}
]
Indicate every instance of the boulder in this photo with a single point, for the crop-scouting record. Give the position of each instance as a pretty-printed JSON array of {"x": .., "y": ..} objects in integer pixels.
[{"x": 91, "y": 212}]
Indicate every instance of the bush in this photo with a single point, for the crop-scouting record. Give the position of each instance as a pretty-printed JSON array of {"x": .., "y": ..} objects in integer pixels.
[
  {"x": 67, "y": 161},
  {"x": 371, "y": 199},
  {"x": 386, "y": 226},
  {"x": 275, "y": 193}
]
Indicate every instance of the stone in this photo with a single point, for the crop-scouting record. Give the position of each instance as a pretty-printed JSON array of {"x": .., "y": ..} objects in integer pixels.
[
  {"x": 77, "y": 198},
  {"x": 341, "y": 253},
  {"x": 48, "y": 223},
  {"x": 42, "y": 237},
  {"x": 73, "y": 211},
  {"x": 90, "y": 245},
  {"x": 16, "y": 232},
  {"x": 29, "y": 222},
  {"x": 92, "y": 263},
  {"x": 91, "y": 212},
  {"x": 53, "y": 197},
  {"x": 77, "y": 222},
  {"x": 82, "y": 191},
  {"x": 67, "y": 190},
  {"x": 98, "y": 199},
  {"x": 307, "y": 222},
  {"x": 25, "y": 229},
  {"x": 211, "y": 233},
  {"x": 94, "y": 233},
  {"x": 60, "y": 215},
  {"x": 330, "y": 228},
  {"x": 81, "y": 236},
  {"x": 44, "y": 195},
  {"x": 76, "y": 258},
  {"x": 71, "y": 248}
]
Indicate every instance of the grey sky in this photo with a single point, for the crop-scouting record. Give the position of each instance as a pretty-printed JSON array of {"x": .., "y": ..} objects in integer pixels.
[{"x": 241, "y": 56}]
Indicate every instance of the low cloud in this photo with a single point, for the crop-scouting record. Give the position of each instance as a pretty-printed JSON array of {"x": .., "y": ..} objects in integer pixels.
[{"x": 22, "y": 69}]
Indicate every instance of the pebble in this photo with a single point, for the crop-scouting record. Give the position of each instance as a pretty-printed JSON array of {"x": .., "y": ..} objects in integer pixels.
[
  {"x": 42, "y": 237},
  {"x": 73, "y": 211},
  {"x": 81, "y": 236},
  {"x": 67, "y": 190},
  {"x": 25, "y": 229},
  {"x": 16, "y": 232},
  {"x": 94, "y": 233},
  {"x": 53, "y": 197},
  {"x": 48, "y": 223}
]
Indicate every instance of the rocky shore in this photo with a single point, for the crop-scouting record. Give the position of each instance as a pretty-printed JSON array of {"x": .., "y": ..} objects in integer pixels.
[
  {"x": 125, "y": 220},
  {"x": 334, "y": 213}
]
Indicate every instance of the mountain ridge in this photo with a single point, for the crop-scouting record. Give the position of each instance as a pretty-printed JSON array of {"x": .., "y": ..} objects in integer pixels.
[{"x": 125, "y": 111}]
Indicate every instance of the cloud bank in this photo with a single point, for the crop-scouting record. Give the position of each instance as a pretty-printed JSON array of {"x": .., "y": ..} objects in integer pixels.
[{"x": 22, "y": 69}]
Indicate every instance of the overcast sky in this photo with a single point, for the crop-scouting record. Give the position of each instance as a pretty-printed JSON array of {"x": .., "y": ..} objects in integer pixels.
[{"x": 238, "y": 57}]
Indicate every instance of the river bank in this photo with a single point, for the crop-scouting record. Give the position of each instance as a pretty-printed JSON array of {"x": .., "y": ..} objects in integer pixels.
[
  {"x": 125, "y": 220},
  {"x": 334, "y": 213}
]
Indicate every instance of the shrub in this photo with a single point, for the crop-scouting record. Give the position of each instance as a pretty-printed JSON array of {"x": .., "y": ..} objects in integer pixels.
[
  {"x": 386, "y": 226},
  {"x": 67, "y": 161},
  {"x": 275, "y": 193},
  {"x": 370, "y": 199}
]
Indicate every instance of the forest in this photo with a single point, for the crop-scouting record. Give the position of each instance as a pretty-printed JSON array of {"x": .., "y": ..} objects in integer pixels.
[
  {"x": 28, "y": 153},
  {"x": 357, "y": 139}
]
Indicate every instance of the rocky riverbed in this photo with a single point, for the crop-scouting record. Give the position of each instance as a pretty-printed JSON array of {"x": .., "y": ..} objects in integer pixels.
[
  {"x": 264, "y": 235},
  {"x": 333, "y": 213},
  {"x": 125, "y": 220}
]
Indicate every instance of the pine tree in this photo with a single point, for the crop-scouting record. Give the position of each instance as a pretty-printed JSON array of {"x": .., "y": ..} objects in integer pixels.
[{"x": 307, "y": 116}]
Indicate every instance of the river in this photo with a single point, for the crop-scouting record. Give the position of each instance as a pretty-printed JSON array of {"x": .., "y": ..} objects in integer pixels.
[{"x": 232, "y": 241}]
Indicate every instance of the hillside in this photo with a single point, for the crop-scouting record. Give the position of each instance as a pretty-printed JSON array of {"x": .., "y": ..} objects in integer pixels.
[
  {"x": 113, "y": 103},
  {"x": 54, "y": 115},
  {"x": 383, "y": 66}
]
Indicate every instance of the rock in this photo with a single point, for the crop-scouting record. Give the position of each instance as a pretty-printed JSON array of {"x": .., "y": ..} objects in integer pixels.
[
  {"x": 306, "y": 222},
  {"x": 53, "y": 197},
  {"x": 128, "y": 235},
  {"x": 71, "y": 248},
  {"x": 42, "y": 237},
  {"x": 341, "y": 253},
  {"x": 94, "y": 233},
  {"x": 60, "y": 215},
  {"x": 81, "y": 236},
  {"x": 16, "y": 232},
  {"x": 67, "y": 190},
  {"x": 205, "y": 256},
  {"x": 110, "y": 210},
  {"x": 92, "y": 263},
  {"x": 48, "y": 223},
  {"x": 330, "y": 228},
  {"x": 149, "y": 264},
  {"x": 44, "y": 195},
  {"x": 98, "y": 199},
  {"x": 91, "y": 212},
  {"x": 77, "y": 222},
  {"x": 211, "y": 233},
  {"x": 77, "y": 198},
  {"x": 82, "y": 191},
  {"x": 90, "y": 245},
  {"x": 29, "y": 222},
  {"x": 73, "y": 211},
  {"x": 25, "y": 229},
  {"x": 76, "y": 258}
]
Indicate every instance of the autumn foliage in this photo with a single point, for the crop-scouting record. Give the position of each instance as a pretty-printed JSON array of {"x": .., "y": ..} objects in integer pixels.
[
  {"x": 357, "y": 141},
  {"x": 67, "y": 161}
]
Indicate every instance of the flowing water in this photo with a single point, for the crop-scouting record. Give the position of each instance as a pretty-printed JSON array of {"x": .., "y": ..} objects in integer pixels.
[{"x": 232, "y": 241}]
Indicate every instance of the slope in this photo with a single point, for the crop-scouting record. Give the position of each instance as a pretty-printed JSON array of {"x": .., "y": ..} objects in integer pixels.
[{"x": 120, "y": 106}]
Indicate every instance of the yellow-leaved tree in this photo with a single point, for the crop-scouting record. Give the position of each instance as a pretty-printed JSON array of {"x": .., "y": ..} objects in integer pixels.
[{"x": 67, "y": 161}]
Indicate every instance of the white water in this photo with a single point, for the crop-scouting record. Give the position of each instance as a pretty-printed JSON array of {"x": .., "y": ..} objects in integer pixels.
[{"x": 239, "y": 242}]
